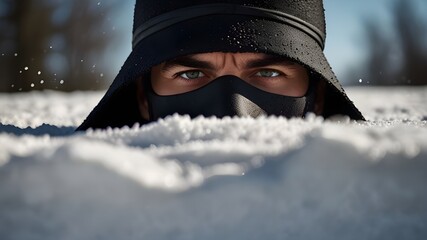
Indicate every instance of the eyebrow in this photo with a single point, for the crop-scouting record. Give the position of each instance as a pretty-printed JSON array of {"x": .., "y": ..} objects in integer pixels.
[
  {"x": 269, "y": 60},
  {"x": 191, "y": 62},
  {"x": 187, "y": 61}
]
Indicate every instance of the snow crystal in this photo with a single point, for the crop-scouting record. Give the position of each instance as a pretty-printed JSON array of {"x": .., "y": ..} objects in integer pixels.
[{"x": 209, "y": 178}]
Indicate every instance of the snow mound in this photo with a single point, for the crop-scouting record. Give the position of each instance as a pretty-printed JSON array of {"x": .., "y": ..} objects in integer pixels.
[{"x": 209, "y": 178}]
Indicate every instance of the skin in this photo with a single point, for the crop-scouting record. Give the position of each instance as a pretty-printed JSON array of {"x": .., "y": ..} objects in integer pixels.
[{"x": 266, "y": 72}]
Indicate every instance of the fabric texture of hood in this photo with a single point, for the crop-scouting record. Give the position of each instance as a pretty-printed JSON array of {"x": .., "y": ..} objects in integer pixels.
[{"x": 165, "y": 29}]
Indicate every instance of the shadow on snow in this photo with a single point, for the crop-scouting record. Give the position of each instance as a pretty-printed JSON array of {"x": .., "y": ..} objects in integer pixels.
[{"x": 45, "y": 129}]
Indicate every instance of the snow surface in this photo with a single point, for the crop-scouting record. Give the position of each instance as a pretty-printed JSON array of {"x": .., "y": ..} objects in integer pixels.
[{"x": 208, "y": 178}]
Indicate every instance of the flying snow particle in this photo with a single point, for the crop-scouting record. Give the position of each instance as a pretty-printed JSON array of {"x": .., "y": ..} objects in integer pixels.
[
  {"x": 360, "y": 80},
  {"x": 41, "y": 81},
  {"x": 26, "y": 68},
  {"x": 32, "y": 85},
  {"x": 39, "y": 72},
  {"x": 61, "y": 82},
  {"x": 16, "y": 54},
  {"x": 101, "y": 75}
]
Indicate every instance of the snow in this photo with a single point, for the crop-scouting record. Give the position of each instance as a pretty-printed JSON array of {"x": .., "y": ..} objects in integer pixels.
[{"x": 208, "y": 178}]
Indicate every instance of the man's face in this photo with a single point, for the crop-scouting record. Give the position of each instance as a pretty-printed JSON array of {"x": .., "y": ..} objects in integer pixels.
[{"x": 267, "y": 72}]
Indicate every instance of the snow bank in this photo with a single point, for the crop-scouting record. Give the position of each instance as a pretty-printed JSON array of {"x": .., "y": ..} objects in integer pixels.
[{"x": 208, "y": 178}]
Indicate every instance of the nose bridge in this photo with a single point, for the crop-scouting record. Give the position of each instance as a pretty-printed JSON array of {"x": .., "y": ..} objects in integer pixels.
[{"x": 230, "y": 66}]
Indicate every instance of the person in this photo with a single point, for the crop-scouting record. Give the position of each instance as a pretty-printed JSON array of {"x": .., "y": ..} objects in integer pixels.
[{"x": 224, "y": 58}]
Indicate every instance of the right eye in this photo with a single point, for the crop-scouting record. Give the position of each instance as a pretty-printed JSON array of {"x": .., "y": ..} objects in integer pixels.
[
  {"x": 268, "y": 73},
  {"x": 190, "y": 75}
]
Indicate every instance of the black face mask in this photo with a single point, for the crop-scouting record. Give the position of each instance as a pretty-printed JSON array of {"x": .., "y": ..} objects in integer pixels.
[{"x": 228, "y": 96}]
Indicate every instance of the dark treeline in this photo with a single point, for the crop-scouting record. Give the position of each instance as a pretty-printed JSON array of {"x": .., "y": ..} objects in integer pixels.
[
  {"x": 54, "y": 44},
  {"x": 398, "y": 57}
]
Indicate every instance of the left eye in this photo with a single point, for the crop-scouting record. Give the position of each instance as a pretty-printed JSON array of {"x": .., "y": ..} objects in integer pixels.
[
  {"x": 267, "y": 73},
  {"x": 192, "y": 75}
]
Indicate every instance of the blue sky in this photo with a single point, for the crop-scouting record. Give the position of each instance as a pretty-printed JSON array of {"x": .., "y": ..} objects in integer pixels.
[
  {"x": 345, "y": 45},
  {"x": 344, "y": 22}
]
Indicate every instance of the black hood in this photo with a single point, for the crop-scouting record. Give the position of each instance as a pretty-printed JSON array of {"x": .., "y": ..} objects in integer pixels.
[{"x": 165, "y": 29}]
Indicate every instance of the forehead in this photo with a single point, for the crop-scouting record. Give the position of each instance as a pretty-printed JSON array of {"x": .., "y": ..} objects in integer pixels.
[
  {"x": 223, "y": 59},
  {"x": 215, "y": 56}
]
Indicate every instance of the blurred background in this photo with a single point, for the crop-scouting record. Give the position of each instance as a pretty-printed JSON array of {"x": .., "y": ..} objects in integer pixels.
[{"x": 70, "y": 45}]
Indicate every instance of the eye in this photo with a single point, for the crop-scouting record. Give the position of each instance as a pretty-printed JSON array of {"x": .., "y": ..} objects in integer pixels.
[
  {"x": 267, "y": 73},
  {"x": 189, "y": 75}
]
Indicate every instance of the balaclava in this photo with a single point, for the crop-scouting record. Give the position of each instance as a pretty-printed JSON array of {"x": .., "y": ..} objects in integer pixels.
[{"x": 166, "y": 29}]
